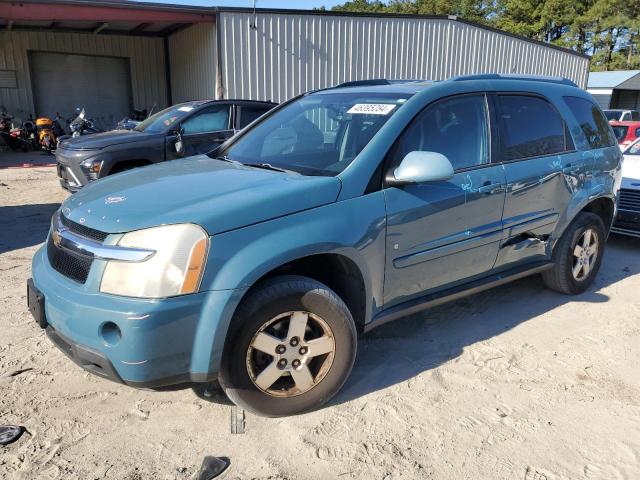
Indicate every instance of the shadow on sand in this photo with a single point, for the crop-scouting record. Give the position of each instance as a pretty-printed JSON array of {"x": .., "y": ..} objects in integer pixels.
[
  {"x": 24, "y": 225},
  {"x": 398, "y": 351}
]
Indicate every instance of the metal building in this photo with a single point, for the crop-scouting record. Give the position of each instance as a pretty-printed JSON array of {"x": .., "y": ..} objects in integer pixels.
[
  {"x": 111, "y": 56},
  {"x": 616, "y": 89}
]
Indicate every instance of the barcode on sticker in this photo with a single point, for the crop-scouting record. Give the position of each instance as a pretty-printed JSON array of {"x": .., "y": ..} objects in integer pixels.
[{"x": 372, "y": 108}]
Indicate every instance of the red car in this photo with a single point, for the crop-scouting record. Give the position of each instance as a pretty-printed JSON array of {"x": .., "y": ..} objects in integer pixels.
[{"x": 626, "y": 132}]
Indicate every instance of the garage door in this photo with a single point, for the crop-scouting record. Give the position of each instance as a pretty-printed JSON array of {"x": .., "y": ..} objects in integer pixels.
[{"x": 101, "y": 85}]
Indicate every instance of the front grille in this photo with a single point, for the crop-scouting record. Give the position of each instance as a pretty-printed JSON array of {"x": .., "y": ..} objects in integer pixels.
[
  {"x": 83, "y": 231},
  {"x": 72, "y": 266},
  {"x": 629, "y": 200}
]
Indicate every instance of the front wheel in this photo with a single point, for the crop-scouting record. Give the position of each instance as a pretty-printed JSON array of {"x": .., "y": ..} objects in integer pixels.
[
  {"x": 578, "y": 255},
  {"x": 292, "y": 346}
]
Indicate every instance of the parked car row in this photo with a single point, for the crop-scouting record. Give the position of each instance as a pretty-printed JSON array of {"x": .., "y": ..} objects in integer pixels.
[
  {"x": 182, "y": 130},
  {"x": 628, "y": 217},
  {"x": 333, "y": 213}
]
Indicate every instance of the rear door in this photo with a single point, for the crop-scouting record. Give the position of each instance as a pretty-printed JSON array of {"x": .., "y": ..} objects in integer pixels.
[
  {"x": 534, "y": 143},
  {"x": 203, "y": 131}
]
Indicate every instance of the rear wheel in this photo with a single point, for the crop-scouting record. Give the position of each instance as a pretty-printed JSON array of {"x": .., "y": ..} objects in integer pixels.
[
  {"x": 578, "y": 255},
  {"x": 292, "y": 347}
]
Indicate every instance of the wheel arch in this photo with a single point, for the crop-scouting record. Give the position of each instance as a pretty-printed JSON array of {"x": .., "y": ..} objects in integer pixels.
[
  {"x": 337, "y": 271},
  {"x": 603, "y": 206}
]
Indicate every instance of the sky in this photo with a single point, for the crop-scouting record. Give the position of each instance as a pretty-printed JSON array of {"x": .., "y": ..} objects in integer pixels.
[{"x": 300, "y": 4}]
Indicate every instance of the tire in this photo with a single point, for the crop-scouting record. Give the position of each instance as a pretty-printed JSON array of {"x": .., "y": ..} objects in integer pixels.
[
  {"x": 561, "y": 277},
  {"x": 268, "y": 310}
]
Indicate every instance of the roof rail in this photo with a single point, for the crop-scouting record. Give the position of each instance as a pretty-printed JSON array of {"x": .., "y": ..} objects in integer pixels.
[
  {"x": 360, "y": 83},
  {"x": 515, "y": 76}
]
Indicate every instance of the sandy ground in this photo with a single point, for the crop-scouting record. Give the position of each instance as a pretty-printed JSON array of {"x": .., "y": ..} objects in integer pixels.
[{"x": 515, "y": 383}]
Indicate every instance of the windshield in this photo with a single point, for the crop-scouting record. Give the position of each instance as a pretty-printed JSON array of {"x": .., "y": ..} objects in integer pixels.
[
  {"x": 318, "y": 134},
  {"x": 162, "y": 120},
  {"x": 620, "y": 131},
  {"x": 612, "y": 114}
]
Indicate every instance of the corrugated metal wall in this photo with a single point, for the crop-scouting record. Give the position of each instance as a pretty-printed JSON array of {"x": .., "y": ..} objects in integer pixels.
[
  {"x": 286, "y": 54},
  {"x": 146, "y": 61},
  {"x": 192, "y": 56}
]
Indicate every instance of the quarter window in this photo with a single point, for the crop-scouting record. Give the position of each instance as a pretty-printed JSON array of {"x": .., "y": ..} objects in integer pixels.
[
  {"x": 249, "y": 114},
  {"x": 531, "y": 127},
  {"x": 593, "y": 123},
  {"x": 456, "y": 128}
]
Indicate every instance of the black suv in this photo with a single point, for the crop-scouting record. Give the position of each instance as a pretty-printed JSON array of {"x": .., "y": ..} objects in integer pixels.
[{"x": 182, "y": 130}]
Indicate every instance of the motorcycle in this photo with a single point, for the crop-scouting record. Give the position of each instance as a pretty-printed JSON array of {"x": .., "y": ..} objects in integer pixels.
[
  {"x": 16, "y": 138},
  {"x": 133, "y": 120},
  {"x": 82, "y": 125},
  {"x": 24, "y": 136},
  {"x": 79, "y": 126},
  {"x": 48, "y": 132}
]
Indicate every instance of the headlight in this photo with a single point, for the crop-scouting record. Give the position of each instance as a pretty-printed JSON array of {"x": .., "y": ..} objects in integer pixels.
[
  {"x": 175, "y": 269},
  {"x": 91, "y": 168}
]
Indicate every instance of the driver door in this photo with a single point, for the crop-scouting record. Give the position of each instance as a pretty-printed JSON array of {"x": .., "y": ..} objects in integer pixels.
[
  {"x": 201, "y": 132},
  {"x": 445, "y": 232}
]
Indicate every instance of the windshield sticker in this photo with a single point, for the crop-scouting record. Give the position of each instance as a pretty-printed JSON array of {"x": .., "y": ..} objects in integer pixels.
[
  {"x": 185, "y": 109},
  {"x": 372, "y": 108}
]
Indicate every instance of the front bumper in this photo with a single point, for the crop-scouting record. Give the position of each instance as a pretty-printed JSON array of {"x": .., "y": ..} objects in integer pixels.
[
  {"x": 160, "y": 342},
  {"x": 68, "y": 180},
  {"x": 71, "y": 176},
  {"x": 627, "y": 223}
]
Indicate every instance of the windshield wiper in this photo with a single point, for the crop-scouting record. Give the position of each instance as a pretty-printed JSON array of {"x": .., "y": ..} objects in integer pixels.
[{"x": 268, "y": 166}]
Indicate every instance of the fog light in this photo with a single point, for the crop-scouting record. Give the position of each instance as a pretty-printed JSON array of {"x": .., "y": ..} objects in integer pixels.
[{"x": 110, "y": 333}]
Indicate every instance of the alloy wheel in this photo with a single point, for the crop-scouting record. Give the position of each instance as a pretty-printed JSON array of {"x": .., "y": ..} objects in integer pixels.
[
  {"x": 585, "y": 254},
  {"x": 290, "y": 354}
]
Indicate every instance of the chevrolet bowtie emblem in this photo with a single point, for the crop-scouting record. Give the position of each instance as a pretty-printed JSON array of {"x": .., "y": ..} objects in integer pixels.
[{"x": 55, "y": 236}]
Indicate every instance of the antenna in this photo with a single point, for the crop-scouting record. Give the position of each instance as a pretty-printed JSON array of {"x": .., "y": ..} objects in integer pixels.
[{"x": 254, "y": 25}]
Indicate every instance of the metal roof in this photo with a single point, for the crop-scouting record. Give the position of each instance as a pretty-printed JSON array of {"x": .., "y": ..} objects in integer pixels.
[{"x": 610, "y": 79}]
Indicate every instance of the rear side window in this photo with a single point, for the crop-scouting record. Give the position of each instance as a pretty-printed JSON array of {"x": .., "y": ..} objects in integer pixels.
[
  {"x": 635, "y": 115},
  {"x": 249, "y": 114},
  {"x": 530, "y": 127},
  {"x": 593, "y": 123}
]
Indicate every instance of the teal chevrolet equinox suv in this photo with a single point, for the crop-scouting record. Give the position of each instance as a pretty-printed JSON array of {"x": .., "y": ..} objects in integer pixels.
[{"x": 258, "y": 265}]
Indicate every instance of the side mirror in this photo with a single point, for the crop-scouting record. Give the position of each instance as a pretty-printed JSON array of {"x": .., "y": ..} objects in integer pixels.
[
  {"x": 179, "y": 143},
  {"x": 420, "y": 167}
]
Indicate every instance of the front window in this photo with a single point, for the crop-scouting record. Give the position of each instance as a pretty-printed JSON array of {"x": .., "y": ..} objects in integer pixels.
[
  {"x": 319, "y": 134},
  {"x": 164, "y": 119}
]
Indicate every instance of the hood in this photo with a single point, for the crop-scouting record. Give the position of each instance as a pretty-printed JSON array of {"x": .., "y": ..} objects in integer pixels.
[
  {"x": 104, "y": 139},
  {"x": 631, "y": 172},
  {"x": 215, "y": 194}
]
